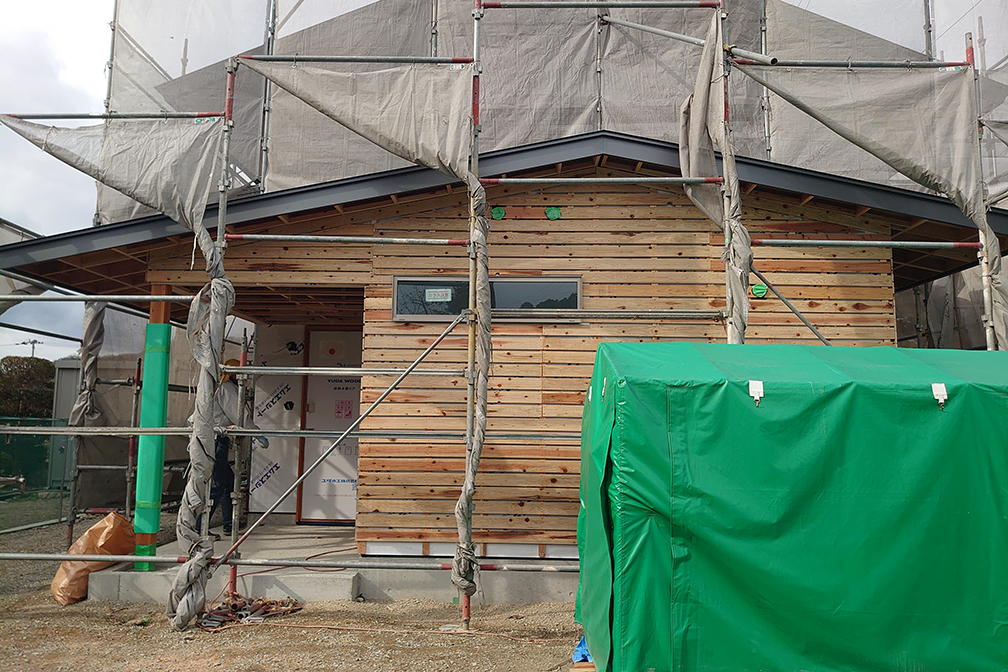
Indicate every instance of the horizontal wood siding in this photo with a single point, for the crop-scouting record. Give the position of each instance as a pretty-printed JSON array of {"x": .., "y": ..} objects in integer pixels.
[{"x": 633, "y": 248}]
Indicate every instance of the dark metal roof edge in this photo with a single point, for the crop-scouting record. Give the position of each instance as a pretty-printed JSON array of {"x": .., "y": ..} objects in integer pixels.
[{"x": 415, "y": 178}]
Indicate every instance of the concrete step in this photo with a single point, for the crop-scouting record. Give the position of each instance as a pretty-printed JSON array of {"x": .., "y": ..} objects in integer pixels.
[{"x": 121, "y": 583}]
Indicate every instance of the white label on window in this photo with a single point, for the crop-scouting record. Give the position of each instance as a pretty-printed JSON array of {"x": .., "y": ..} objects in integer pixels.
[{"x": 438, "y": 295}]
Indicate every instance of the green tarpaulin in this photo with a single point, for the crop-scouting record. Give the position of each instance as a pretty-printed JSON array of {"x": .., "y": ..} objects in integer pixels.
[{"x": 846, "y": 523}]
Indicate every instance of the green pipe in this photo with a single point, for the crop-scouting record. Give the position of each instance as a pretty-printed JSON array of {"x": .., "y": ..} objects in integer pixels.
[{"x": 150, "y": 452}]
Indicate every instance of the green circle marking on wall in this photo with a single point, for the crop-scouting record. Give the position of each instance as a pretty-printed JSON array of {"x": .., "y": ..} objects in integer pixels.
[
  {"x": 497, "y": 212},
  {"x": 552, "y": 213},
  {"x": 759, "y": 291}
]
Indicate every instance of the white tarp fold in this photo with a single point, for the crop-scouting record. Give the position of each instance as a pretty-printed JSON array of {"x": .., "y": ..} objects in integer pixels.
[
  {"x": 205, "y": 329},
  {"x": 89, "y": 409},
  {"x": 421, "y": 113},
  {"x": 166, "y": 164},
  {"x": 465, "y": 564},
  {"x": 921, "y": 122},
  {"x": 702, "y": 126}
]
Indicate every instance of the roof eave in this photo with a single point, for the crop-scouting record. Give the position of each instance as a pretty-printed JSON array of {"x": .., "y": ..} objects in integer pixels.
[{"x": 415, "y": 178}]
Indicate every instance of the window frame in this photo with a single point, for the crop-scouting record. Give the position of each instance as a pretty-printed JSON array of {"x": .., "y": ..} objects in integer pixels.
[{"x": 532, "y": 317}]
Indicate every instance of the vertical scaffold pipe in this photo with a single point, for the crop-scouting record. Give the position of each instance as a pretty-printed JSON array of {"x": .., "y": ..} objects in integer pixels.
[
  {"x": 984, "y": 254},
  {"x": 153, "y": 413},
  {"x": 131, "y": 460},
  {"x": 237, "y": 501},
  {"x": 205, "y": 330},
  {"x": 473, "y": 316}
]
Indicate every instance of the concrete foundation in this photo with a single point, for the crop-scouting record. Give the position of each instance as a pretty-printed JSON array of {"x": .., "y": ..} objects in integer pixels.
[{"x": 283, "y": 539}]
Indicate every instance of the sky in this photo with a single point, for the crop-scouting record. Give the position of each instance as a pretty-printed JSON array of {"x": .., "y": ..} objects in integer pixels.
[{"x": 52, "y": 59}]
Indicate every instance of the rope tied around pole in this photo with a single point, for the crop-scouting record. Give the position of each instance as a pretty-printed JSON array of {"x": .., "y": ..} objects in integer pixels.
[
  {"x": 206, "y": 336},
  {"x": 465, "y": 564},
  {"x": 205, "y": 330}
]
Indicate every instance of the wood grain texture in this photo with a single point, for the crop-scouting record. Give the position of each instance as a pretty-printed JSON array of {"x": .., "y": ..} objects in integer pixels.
[
  {"x": 633, "y": 247},
  {"x": 633, "y": 250}
]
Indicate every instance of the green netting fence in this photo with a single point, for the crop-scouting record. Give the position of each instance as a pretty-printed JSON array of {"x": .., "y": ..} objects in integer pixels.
[{"x": 43, "y": 462}]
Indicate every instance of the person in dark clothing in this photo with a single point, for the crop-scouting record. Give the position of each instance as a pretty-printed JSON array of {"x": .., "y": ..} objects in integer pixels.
[
  {"x": 223, "y": 481},
  {"x": 226, "y": 414}
]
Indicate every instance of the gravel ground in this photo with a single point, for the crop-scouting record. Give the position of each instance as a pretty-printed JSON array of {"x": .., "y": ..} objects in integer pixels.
[
  {"x": 38, "y": 634},
  {"x": 19, "y": 577},
  {"x": 30, "y": 508}
]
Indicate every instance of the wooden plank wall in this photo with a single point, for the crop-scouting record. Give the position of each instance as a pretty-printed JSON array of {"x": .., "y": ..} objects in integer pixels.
[{"x": 633, "y": 248}]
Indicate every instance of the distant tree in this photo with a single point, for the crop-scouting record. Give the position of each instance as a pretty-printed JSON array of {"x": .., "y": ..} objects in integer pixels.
[{"x": 26, "y": 387}]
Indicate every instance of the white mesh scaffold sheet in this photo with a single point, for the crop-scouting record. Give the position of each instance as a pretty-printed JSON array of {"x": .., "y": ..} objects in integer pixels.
[
  {"x": 421, "y": 113},
  {"x": 168, "y": 165},
  {"x": 920, "y": 122}
]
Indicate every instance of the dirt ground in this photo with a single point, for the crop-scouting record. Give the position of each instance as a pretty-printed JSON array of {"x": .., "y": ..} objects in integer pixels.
[{"x": 38, "y": 634}]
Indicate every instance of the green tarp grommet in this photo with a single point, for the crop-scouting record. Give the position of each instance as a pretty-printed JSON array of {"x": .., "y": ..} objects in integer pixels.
[
  {"x": 552, "y": 213},
  {"x": 759, "y": 290},
  {"x": 497, "y": 212}
]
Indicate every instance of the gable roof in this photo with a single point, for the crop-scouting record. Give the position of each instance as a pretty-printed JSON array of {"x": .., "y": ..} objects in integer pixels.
[{"x": 917, "y": 208}]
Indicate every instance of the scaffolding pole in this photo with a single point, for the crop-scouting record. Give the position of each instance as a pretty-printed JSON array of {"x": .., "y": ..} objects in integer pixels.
[
  {"x": 117, "y": 115},
  {"x": 688, "y": 39},
  {"x": 548, "y": 566},
  {"x": 269, "y": 40},
  {"x": 643, "y": 179},
  {"x": 888, "y": 244},
  {"x": 477, "y": 14},
  {"x": 347, "y": 372},
  {"x": 925, "y": 65},
  {"x": 120, "y": 467},
  {"x": 983, "y": 255},
  {"x": 733, "y": 51},
  {"x": 222, "y": 431},
  {"x": 133, "y": 439},
  {"x": 575, "y": 314},
  {"x": 406, "y": 60},
  {"x": 789, "y": 305},
  {"x": 38, "y": 332},
  {"x": 350, "y": 240},
  {"x": 643, "y": 4},
  {"x": 147, "y": 298},
  {"x": 127, "y": 310},
  {"x": 765, "y": 95},
  {"x": 237, "y": 474}
]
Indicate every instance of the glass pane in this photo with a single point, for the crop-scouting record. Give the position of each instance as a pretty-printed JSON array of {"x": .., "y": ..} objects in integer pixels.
[
  {"x": 432, "y": 297},
  {"x": 532, "y": 294},
  {"x": 450, "y": 297}
]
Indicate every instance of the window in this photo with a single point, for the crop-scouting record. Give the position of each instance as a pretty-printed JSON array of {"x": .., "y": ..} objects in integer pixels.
[{"x": 431, "y": 298}]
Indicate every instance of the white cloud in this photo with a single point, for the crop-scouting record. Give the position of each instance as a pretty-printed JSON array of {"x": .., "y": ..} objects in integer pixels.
[{"x": 52, "y": 59}]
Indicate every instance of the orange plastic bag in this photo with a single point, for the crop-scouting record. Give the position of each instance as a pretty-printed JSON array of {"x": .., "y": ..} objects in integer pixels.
[{"x": 112, "y": 535}]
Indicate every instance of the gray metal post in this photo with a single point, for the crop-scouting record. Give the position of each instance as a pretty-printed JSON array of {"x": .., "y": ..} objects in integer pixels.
[
  {"x": 131, "y": 460},
  {"x": 928, "y": 32},
  {"x": 264, "y": 129},
  {"x": 765, "y": 96},
  {"x": 72, "y": 511},
  {"x": 984, "y": 254},
  {"x": 789, "y": 305}
]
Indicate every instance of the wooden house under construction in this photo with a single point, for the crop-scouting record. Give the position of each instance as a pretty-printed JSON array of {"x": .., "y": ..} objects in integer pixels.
[{"x": 588, "y": 247}]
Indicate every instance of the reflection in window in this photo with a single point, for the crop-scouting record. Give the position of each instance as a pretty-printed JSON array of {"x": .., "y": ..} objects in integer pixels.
[{"x": 431, "y": 298}]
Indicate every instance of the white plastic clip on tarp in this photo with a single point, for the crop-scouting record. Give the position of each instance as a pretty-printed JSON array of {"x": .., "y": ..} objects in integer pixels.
[
  {"x": 940, "y": 394},
  {"x": 756, "y": 390}
]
